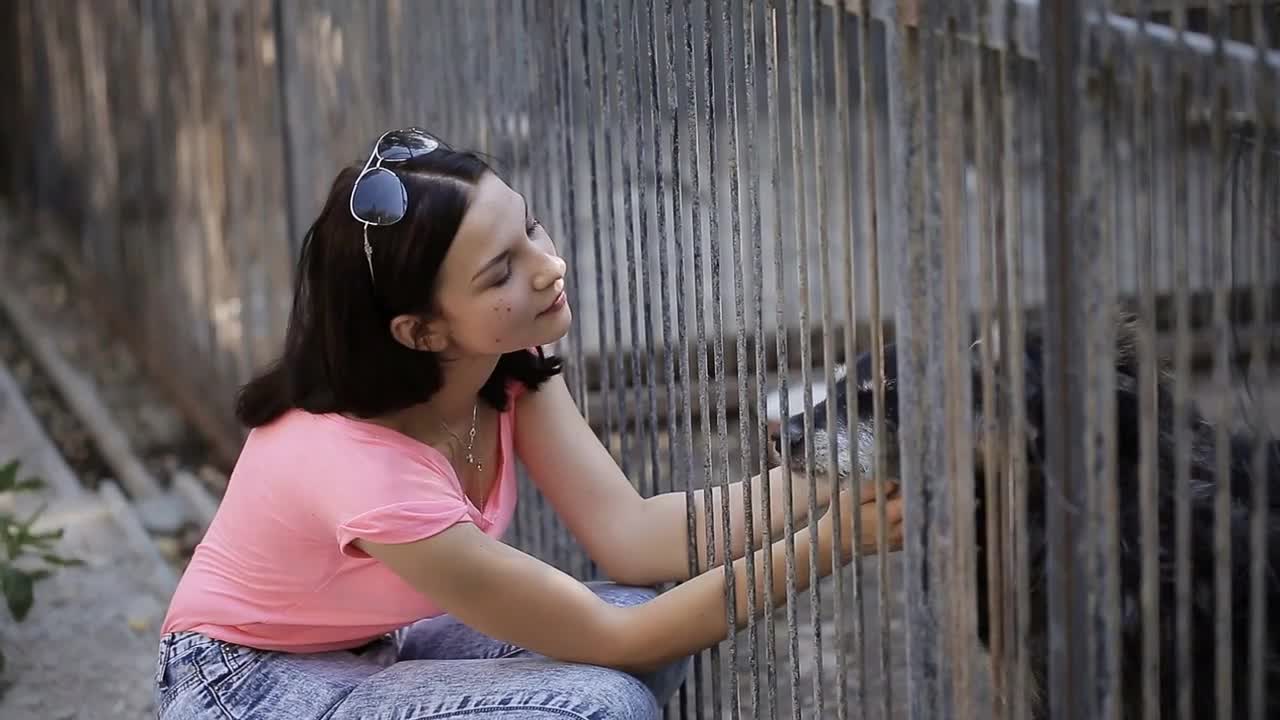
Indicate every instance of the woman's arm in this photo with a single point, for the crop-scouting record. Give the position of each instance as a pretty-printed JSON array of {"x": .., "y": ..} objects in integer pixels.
[
  {"x": 581, "y": 480},
  {"x": 612, "y": 521},
  {"x": 667, "y": 520},
  {"x": 518, "y": 599}
]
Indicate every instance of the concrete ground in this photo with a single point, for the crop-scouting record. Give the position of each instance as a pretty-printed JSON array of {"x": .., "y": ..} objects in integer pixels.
[{"x": 87, "y": 649}]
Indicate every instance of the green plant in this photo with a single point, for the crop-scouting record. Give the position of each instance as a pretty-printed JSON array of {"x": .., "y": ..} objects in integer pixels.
[{"x": 29, "y": 555}]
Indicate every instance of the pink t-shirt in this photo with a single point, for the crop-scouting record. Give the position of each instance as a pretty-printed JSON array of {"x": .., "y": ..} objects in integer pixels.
[{"x": 277, "y": 570}]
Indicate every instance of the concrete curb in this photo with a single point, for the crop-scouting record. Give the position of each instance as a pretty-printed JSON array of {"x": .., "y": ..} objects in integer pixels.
[
  {"x": 56, "y": 472},
  {"x": 82, "y": 396}
]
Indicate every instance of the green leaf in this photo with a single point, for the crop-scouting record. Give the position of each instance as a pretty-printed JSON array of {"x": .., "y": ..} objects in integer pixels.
[
  {"x": 31, "y": 519},
  {"x": 31, "y": 484},
  {"x": 9, "y": 476},
  {"x": 52, "y": 559},
  {"x": 44, "y": 538},
  {"x": 19, "y": 592}
]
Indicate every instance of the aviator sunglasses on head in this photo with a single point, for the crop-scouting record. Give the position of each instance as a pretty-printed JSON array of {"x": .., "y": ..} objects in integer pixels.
[{"x": 378, "y": 196}]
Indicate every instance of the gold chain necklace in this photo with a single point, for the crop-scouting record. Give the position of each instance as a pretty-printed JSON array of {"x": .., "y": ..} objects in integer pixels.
[{"x": 471, "y": 439}]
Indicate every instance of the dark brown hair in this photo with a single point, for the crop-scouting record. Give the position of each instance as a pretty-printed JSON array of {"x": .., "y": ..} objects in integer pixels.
[{"x": 339, "y": 355}]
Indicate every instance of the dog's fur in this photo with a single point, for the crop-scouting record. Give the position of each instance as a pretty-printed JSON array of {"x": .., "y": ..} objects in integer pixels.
[{"x": 858, "y": 444}]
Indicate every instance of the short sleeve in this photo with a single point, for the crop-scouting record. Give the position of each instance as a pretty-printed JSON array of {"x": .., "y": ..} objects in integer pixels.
[
  {"x": 400, "y": 523},
  {"x": 392, "y": 496}
]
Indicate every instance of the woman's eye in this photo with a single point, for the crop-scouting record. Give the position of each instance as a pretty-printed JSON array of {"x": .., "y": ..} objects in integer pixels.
[
  {"x": 506, "y": 275},
  {"x": 532, "y": 226}
]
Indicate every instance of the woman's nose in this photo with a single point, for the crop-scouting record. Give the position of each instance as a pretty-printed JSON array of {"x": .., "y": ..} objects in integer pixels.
[{"x": 551, "y": 273}]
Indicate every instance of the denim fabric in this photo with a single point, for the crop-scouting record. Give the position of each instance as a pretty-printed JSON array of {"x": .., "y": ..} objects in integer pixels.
[{"x": 437, "y": 668}]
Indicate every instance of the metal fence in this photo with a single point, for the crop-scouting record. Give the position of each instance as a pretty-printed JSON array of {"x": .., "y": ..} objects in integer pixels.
[{"x": 748, "y": 194}]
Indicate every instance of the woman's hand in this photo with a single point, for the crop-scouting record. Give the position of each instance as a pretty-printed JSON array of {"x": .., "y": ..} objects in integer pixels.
[{"x": 862, "y": 504}]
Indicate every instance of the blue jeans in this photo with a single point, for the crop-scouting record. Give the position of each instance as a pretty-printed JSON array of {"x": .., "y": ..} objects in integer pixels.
[{"x": 437, "y": 668}]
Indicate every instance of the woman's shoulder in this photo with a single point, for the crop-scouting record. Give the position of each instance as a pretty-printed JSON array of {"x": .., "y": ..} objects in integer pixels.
[{"x": 334, "y": 442}]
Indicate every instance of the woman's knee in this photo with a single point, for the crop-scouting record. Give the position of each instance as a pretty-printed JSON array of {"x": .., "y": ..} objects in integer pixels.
[
  {"x": 622, "y": 595},
  {"x": 663, "y": 682}
]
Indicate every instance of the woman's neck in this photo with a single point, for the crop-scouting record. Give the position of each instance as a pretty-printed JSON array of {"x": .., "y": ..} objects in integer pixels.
[{"x": 453, "y": 403}]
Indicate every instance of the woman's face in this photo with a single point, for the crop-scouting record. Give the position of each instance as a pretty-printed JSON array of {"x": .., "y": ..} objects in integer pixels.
[{"x": 501, "y": 286}]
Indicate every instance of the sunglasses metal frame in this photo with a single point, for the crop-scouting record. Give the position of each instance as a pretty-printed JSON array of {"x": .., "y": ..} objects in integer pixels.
[{"x": 371, "y": 167}]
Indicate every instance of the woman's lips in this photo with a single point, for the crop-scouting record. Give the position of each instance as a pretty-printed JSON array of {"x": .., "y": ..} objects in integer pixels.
[{"x": 555, "y": 304}]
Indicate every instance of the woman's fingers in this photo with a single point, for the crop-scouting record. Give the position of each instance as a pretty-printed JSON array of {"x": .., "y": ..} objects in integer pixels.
[
  {"x": 871, "y": 524},
  {"x": 867, "y": 490}
]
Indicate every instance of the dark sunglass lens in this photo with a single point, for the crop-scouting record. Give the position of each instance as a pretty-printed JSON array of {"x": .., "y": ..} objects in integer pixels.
[
  {"x": 405, "y": 144},
  {"x": 379, "y": 198}
]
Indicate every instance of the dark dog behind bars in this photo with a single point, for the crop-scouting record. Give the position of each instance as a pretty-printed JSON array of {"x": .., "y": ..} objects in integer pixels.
[{"x": 857, "y": 445}]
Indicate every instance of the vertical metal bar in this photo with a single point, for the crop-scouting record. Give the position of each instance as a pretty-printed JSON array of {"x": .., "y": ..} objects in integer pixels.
[
  {"x": 853, "y": 135},
  {"x": 717, "y": 318},
  {"x": 1220, "y": 240},
  {"x": 680, "y": 295},
  {"x": 744, "y": 402},
  {"x": 645, "y": 290},
  {"x": 602, "y": 286},
  {"x": 992, "y": 305},
  {"x": 957, "y": 395},
  {"x": 631, "y": 417},
  {"x": 912, "y": 67},
  {"x": 1181, "y": 369},
  {"x": 660, "y": 239},
  {"x": 667, "y": 297},
  {"x": 1070, "y": 247},
  {"x": 836, "y": 175},
  {"x": 761, "y": 367},
  {"x": 1143, "y": 134},
  {"x": 1103, "y": 499},
  {"x": 704, "y": 403},
  {"x": 780, "y": 339},
  {"x": 1263, "y": 316},
  {"x": 872, "y": 230},
  {"x": 616, "y": 355},
  {"x": 801, "y": 217},
  {"x": 1012, "y": 350},
  {"x": 566, "y": 107}
]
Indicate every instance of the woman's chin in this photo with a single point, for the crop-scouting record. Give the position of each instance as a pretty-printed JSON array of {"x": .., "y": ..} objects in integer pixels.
[{"x": 557, "y": 323}]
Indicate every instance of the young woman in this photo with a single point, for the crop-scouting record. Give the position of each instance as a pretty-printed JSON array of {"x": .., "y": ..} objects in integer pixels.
[{"x": 355, "y": 567}]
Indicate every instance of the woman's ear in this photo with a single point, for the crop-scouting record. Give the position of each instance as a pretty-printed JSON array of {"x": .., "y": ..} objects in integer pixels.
[{"x": 417, "y": 333}]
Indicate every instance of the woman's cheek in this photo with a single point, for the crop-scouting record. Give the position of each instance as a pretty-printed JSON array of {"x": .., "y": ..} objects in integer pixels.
[{"x": 501, "y": 316}]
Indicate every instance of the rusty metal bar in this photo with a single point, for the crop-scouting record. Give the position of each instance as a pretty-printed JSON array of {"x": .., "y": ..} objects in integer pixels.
[
  {"x": 1259, "y": 372},
  {"x": 1011, "y": 348},
  {"x": 802, "y": 229},
  {"x": 1181, "y": 369},
  {"x": 757, "y": 102},
  {"x": 856, "y": 136},
  {"x": 955, "y": 343},
  {"x": 1219, "y": 239},
  {"x": 1072, "y": 249},
  {"x": 912, "y": 68},
  {"x": 690, "y": 697},
  {"x": 647, "y": 310},
  {"x": 992, "y": 306},
  {"x": 733, "y": 161},
  {"x": 1144, "y": 137},
  {"x": 778, "y": 176},
  {"x": 873, "y": 231},
  {"x": 632, "y": 460},
  {"x": 1103, "y": 138},
  {"x": 835, "y": 176}
]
